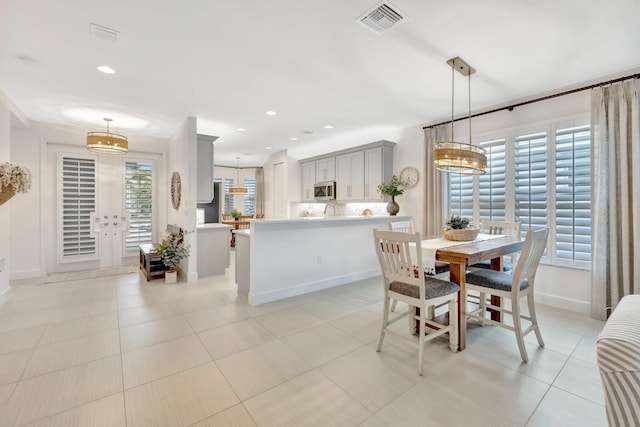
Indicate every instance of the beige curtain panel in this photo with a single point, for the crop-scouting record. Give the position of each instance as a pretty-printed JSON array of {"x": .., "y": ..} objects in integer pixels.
[
  {"x": 615, "y": 145},
  {"x": 434, "y": 201}
]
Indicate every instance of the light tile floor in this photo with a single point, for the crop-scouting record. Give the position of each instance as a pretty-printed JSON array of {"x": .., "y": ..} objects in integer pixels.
[{"x": 118, "y": 351}]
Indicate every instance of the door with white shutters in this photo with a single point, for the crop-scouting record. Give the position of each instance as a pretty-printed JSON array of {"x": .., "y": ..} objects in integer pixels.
[{"x": 105, "y": 208}]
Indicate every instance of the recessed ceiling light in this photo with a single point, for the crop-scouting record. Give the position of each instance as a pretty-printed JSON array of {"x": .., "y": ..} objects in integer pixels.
[
  {"x": 267, "y": 148},
  {"x": 294, "y": 139},
  {"x": 270, "y": 113},
  {"x": 106, "y": 69},
  {"x": 241, "y": 130},
  {"x": 328, "y": 127}
]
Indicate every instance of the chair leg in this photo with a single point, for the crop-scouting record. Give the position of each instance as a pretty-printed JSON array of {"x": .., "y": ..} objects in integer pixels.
[
  {"x": 422, "y": 331},
  {"x": 534, "y": 319},
  {"x": 393, "y": 306},
  {"x": 453, "y": 320},
  {"x": 517, "y": 325},
  {"x": 483, "y": 307},
  {"x": 385, "y": 319}
]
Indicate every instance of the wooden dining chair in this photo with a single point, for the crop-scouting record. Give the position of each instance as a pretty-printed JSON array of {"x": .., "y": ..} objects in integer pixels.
[
  {"x": 404, "y": 282},
  {"x": 511, "y": 229},
  {"x": 227, "y": 217},
  {"x": 514, "y": 287},
  {"x": 407, "y": 227}
]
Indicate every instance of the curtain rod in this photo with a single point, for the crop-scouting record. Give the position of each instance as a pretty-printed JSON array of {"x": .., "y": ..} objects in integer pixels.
[{"x": 544, "y": 98}]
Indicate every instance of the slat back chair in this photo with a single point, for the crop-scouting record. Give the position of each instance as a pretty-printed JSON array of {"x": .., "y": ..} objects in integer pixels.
[
  {"x": 511, "y": 229},
  {"x": 399, "y": 254},
  {"x": 516, "y": 286}
]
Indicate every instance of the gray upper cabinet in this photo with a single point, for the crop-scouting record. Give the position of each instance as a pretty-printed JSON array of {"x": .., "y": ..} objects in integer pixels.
[
  {"x": 357, "y": 171},
  {"x": 205, "y": 168}
]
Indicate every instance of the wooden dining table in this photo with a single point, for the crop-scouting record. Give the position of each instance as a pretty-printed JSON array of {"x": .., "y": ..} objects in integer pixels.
[{"x": 463, "y": 255}]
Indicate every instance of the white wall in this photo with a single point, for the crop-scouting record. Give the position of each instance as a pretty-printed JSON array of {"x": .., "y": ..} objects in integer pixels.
[
  {"x": 5, "y": 217},
  {"x": 290, "y": 192},
  {"x": 182, "y": 158}
]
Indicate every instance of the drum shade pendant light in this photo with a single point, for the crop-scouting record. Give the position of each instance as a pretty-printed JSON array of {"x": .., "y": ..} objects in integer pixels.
[
  {"x": 459, "y": 157},
  {"x": 106, "y": 142},
  {"x": 238, "y": 189}
]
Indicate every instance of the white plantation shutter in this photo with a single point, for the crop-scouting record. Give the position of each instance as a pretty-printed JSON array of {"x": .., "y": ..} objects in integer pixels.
[
  {"x": 573, "y": 197},
  {"x": 492, "y": 185},
  {"x": 77, "y": 204},
  {"x": 138, "y": 199},
  {"x": 531, "y": 181},
  {"x": 461, "y": 195},
  {"x": 250, "y": 197}
]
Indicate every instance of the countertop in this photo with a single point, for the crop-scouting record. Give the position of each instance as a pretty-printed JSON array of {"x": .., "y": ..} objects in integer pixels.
[
  {"x": 212, "y": 225},
  {"x": 303, "y": 219}
]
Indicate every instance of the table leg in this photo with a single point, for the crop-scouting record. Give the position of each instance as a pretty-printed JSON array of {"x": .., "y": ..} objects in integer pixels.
[
  {"x": 496, "y": 264},
  {"x": 457, "y": 275}
]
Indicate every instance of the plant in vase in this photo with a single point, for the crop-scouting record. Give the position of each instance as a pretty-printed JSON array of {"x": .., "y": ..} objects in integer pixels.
[
  {"x": 236, "y": 214},
  {"x": 13, "y": 179},
  {"x": 393, "y": 188},
  {"x": 172, "y": 250},
  {"x": 458, "y": 228}
]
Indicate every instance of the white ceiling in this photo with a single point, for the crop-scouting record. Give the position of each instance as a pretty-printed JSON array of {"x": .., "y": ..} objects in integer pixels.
[{"x": 227, "y": 62}]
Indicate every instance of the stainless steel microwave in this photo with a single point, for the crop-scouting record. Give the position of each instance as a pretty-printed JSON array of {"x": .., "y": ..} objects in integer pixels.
[{"x": 325, "y": 190}]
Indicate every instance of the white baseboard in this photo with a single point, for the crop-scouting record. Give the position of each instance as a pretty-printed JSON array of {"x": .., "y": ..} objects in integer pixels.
[
  {"x": 26, "y": 274},
  {"x": 305, "y": 288},
  {"x": 571, "y": 304}
]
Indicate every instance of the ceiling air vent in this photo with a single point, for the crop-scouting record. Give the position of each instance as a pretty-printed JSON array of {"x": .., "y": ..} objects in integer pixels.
[
  {"x": 382, "y": 17},
  {"x": 104, "y": 33}
]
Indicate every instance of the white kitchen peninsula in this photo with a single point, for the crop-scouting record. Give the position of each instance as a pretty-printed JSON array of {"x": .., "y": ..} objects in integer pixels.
[{"x": 289, "y": 257}]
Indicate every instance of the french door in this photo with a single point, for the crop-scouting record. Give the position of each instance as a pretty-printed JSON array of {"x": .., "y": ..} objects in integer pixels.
[{"x": 105, "y": 207}]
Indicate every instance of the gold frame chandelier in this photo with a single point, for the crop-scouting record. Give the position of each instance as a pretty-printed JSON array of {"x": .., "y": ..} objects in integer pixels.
[
  {"x": 237, "y": 188},
  {"x": 459, "y": 157},
  {"x": 107, "y": 142}
]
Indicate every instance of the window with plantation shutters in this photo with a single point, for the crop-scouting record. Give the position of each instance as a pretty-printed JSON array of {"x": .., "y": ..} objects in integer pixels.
[
  {"x": 531, "y": 181},
  {"x": 250, "y": 197},
  {"x": 228, "y": 197},
  {"x": 461, "y": 195},
  {"x": 138, "y": 200},
  {"x": 492, "y": 185},
  {"x": 573, "y": 196},
  {"x": 77, "y": 204}
]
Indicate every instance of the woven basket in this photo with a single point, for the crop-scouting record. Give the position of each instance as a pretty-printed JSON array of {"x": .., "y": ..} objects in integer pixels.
[
  {"x": 6, "y": 193},
  {"x": 464, "y": 235}
]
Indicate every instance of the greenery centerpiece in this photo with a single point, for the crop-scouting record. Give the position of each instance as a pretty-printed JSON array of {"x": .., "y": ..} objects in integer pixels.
[
  {"x": 235, "y": 213},
  {"x": 13, "y": 179},
  {"x": 393, "y": 188},
  {"x": 459, "y": 229},
  {"x": 172, "y": 249}
]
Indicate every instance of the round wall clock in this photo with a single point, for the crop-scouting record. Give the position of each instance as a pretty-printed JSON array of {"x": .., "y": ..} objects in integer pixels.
[
  {"x": 176, "y": 190},
  {"x": 409, "y": 177}
]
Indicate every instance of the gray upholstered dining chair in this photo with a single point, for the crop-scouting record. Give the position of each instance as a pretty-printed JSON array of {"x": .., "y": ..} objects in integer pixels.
[
  {"x": 511, "y": 229},
  {"x": 514, "y": 287},
  {"x": 400, "y": 255}
]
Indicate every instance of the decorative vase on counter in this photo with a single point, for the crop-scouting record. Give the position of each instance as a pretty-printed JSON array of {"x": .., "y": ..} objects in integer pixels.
[{"x": 392, "y": 207}]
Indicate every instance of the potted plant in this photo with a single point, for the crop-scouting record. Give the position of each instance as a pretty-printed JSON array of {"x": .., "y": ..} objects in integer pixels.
[
  {"x": 172, "y": 250},
  {"x": 393, "y": 188},
  {"x": 458, "y": 228},
  {"x": 235, "y": 213},
  {"x": 13, "y": 179}
]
